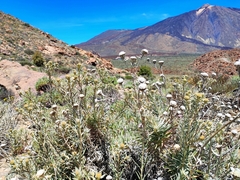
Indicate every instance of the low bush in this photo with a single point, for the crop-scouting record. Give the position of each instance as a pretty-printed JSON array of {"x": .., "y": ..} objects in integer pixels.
[
  {"x": 145, "y": 71},
  {"x": 43, "y": 84},
  {"x": 64, "y": 70},
  {"x": 29, "y": 51},
  {"x": 38, "y": 59},
  {"x": 25, "y": 62}
]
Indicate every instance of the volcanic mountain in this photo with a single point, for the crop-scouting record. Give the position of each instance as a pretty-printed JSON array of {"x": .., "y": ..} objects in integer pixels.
[{"x": 199, "y": 31}]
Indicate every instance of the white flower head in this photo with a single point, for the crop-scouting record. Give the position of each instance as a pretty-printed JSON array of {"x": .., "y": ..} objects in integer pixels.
[
  {"x": 237, "y": 63},
  {"x": 168, "y": 96},
  {"x": 179, "y": 112},
  {"x": 142, "y": 86},
  {"x": 165, "y": 113},
  {"x": 176, "y": 147},
  {"x": 235, "y": 171},
  {"x": 228, "y": 115},
  {"x": 144, "y": 51},
  {"x": 81, "y": 95},
  {"x": 54, "y": 107},
  {"x": 154, "y": 61},
  {"x": 182, "y": 108},
  {"x": 204, "y": 74},
  {"x": 120, "y": 81},
  {"x": 214, "y": 74},
  {"x": 160, "y": 63},
  {"x": 3, "y": 145},
  {"x": 109, "y": 177},
  {"x": 122, "y": 54},
  {"x": 141, "y": 80},
  {"x": 40, "y": 173},
  {"x": 173, "y": 103},
  {"x": 100, "y": 93},
  {"x": 234, "y": 132},
  {"x": 159, "y": 84},
  {"x": 220, "y": 115},
  {"x": 133, "y": 58},
  {"x": 215, "y": 98},
  {"x": 57, "y": 122}
]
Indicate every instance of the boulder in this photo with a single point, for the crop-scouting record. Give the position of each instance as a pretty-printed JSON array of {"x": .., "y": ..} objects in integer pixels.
[{"x": 18, "y": 78}]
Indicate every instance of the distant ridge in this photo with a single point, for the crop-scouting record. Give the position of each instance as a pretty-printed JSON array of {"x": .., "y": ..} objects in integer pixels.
[{"x": 198, "y": 31}]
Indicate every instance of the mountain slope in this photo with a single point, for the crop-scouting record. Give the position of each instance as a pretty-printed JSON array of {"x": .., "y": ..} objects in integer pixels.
[
  {"x": 19, "y": 41},
  {"x": 198, "y": 31}
]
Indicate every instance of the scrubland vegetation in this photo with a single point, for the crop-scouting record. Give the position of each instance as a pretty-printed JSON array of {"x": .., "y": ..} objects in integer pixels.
[
  {"x": 174, "y": 64},
  {"x": 98, "y": 125}
]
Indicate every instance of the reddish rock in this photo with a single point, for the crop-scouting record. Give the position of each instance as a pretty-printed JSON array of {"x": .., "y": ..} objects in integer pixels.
[
  {"x": 18, "y": 78},
  {"x": 220, "y": 62}
]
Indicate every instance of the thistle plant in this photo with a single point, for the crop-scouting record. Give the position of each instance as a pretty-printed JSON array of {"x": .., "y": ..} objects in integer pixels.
[
  {"x": 144, "y": 52},
  {"x": 237, "y": 64},
  {"x": 160, "y": 65},
  {"x": 64, "y": 133},
  {"x": 7, "y": 123}
]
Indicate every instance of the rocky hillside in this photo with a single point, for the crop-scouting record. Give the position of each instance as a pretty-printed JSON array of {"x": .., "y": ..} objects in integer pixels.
[
  {"x": 198, "y": 31},
  {"x": 219, "y": 61},
  {"x": 19, "y": 41}
]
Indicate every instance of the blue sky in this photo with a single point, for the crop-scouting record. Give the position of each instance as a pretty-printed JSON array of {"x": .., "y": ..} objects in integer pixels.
[{"x": 76, "y": 21}]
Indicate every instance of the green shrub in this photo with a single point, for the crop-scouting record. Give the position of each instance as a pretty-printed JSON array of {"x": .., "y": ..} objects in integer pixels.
[
  {"x": 109, "y": 80},
  {"x": 29, "y": 52},
  {"x": 77, "y": 53},
  {"x": 128, "y": 85},
  {"x": 38, "y": 59},
  {"x": 43, "y": 84},
  {"x": 145, "y": 71},
  {"x": 64, "y": 70},
  {"x": 25, "y": 62},
  {"x": 128, "y": 77},
  {"x": 27, "y": 25}
]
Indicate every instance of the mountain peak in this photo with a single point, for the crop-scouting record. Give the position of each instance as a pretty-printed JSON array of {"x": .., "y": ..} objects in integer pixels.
[
  {"x": 203, "y": 8},
  {"x": 205, "y": 29}
]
